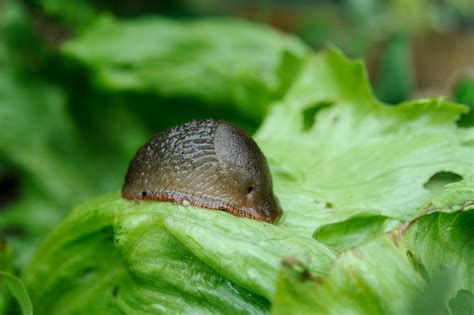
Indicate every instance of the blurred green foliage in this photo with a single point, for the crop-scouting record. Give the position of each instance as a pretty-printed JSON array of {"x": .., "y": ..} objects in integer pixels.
[
  {"x": 383, "y": 33},
  {"x": 195, "y": 59},
  {"x": 17, "y": 289}
]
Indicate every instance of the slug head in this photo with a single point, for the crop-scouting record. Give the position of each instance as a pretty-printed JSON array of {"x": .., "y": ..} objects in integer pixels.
[{"x": 246, "y": 173}]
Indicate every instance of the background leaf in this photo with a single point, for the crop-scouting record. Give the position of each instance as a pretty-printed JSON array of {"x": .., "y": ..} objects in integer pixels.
[
  {"x": 18, "y": 290},
  {"x": 219, "y": 61}
]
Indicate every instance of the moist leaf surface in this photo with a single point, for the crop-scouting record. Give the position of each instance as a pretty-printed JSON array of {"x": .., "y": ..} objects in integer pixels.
[{"x": 359, "y": 158}]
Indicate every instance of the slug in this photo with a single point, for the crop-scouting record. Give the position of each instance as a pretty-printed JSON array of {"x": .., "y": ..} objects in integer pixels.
[{"x": 208, "y": 163}]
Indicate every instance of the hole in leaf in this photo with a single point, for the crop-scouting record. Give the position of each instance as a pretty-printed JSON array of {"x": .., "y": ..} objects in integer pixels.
[
  {"x": 437, "y": 182},
  {"x": 309, "y": 114}
]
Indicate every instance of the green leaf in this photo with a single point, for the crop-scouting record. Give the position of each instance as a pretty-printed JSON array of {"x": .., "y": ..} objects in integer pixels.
[
  {"x": 441, "y": 241},
  {"x": 463, "y": 303},
  {"x": 349, "y": 233},
  {"x": 56, "y": 168},
  {"x": 463, "y": 92},
  {"x": 359, "y": 156},
  {"x": 458, "y": 196},
  {"x": 445, "y": 241},
  {"x": 439, "y": 246},
  {"x": 433, "y": 299},
  {"x": 353, "y": 231},
  {"x": 259, "y": 246},
  {"x": 74, "y": 13},
  {"x": 142, "y": 257},
  {"x": 374, "y": 278},
  {"x": 18, "y": 290},
  {"x": 219, "y": 61},
  {"x": 395, "y": 77}
]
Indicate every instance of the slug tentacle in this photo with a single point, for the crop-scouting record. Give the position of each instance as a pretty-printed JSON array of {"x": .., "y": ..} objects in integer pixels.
[{"x": 208, "y": 163}]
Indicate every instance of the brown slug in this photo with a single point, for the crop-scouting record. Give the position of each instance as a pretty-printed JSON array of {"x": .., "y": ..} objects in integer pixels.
[{"x": 208, "y": 163}]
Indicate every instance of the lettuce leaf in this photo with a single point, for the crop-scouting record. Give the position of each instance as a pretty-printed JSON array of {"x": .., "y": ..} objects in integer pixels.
[
  {"x": 258, "y": 248},
  {"x": 160, "y": 257},
  {"x": 463, "y": 303},
  {"x": 443, "y": 239},
  {"x": 423, "y": 267},
  {"x": 357, "y": 229},
  {"x": 359, "y": 157},
  {"x": 353, "y": 231},
  {"x": 219, "y": 61},
  {"x": 374, "y": 278}
]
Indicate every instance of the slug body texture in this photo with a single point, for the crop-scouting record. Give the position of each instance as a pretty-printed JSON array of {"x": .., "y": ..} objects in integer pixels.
[{"x": 208, "y": 163}]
